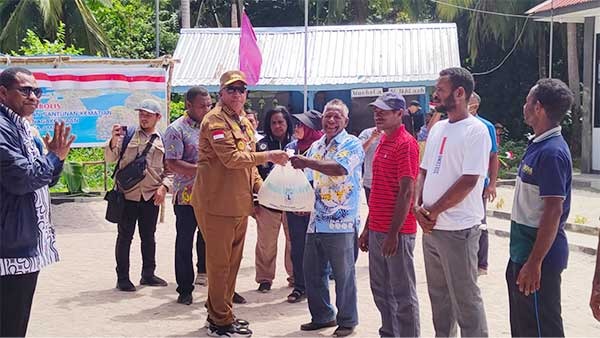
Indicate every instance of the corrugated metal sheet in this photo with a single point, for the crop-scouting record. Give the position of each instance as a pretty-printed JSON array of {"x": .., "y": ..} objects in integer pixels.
[
  {"x": 338, "y": 56},
  {"x": 555, "y": 4}
]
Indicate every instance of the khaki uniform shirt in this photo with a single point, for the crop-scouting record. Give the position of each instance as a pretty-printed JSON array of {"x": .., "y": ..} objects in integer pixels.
[
  {"x": 155, "y": 169},
  {"x": 227, "y": 174}
]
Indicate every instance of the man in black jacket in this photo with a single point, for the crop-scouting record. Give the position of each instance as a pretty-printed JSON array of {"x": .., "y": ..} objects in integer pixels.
[{"x": 27, "y": 242}]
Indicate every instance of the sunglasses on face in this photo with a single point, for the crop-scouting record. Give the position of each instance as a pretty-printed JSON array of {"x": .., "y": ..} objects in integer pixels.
[
  {"x": 26, "y": 91},
  {"x": 232, "y": 89}
]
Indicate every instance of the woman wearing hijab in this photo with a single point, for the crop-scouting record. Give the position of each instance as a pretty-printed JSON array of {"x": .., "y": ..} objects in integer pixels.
[{"x": 307, "y": 129}]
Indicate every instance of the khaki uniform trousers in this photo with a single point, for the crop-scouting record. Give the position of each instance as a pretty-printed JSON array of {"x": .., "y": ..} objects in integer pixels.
[
  {"x": 224, "y": 237},
  {"x": 268, "y": 224}
]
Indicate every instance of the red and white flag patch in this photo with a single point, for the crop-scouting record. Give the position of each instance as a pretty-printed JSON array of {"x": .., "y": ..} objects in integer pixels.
[{"x": 218, "y": 135}]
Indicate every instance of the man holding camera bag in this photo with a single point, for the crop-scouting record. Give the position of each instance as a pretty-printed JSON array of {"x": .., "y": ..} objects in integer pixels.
[{"x": 142, "y": 179}]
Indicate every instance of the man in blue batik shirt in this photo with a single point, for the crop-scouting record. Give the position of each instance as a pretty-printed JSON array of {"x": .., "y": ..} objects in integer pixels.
[{"x": 335, "y": 166}]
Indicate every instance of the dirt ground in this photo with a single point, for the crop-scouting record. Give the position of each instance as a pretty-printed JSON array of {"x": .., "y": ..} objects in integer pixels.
[{"x": 77, "y": 296}]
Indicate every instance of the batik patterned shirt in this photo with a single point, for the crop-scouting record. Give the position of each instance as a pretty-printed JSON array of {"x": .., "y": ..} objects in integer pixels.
[
  {"x": 46, "y": 246},
  {"x": 181, "y": 143},
  {"x": 337, "y": 197}
]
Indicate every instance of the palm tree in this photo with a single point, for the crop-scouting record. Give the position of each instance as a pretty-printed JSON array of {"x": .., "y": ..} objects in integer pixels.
[
  {"x": 485, "y": 27},
  {"x": 44, "y": 17}
]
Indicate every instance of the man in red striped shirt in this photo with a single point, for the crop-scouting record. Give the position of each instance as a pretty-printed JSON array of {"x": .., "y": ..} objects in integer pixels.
[{"x": 389, "y": 235}]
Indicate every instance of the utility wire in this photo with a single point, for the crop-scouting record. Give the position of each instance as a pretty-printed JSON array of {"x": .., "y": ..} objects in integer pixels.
[
  {"x": 514, "y": 47},
  {"x": 509, "y": 53}
]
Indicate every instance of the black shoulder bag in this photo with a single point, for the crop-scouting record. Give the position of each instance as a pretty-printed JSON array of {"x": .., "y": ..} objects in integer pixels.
[
  {"x": 115, "y": 197},
  {"x": 135, "y": 171}
]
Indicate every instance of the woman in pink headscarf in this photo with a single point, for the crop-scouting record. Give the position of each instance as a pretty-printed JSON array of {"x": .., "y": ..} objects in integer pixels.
[{"x": 307, "y": 130}]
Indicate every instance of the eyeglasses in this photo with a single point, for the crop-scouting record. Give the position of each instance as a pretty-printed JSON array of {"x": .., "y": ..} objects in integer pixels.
[
  {"x": 26, "y": 91},
  {"x": 232, "y": 89}
]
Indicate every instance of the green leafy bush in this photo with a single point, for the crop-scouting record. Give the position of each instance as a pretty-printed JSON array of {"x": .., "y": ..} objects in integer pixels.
[
  {"x": 33, "y": 45},
  {"x": 93, "y": 174},
  {"x": 510, "y": 164},
  {"x": 177, "y": 108}
]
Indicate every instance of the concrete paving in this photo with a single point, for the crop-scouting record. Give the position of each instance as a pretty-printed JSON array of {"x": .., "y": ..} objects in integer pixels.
[{"x": 585, "y": 205}]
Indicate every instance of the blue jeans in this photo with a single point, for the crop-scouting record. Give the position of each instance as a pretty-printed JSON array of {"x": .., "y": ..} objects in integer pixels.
[
  {"x": 338, "y": 249},
  {"x": 297, "y": 226}
]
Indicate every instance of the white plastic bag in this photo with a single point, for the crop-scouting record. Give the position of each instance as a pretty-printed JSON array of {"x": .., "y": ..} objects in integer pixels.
[{"x": 287, "y": 189}]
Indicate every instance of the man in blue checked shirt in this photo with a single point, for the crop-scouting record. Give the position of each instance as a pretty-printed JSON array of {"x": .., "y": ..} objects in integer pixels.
[{"x": 335, "y": 167}]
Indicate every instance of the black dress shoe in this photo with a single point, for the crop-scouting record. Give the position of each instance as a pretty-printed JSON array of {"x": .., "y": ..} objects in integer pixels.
[
  {"x": 153, "y": 281},
  {"x": 316, "y": 326},
  {"x": 236, "y": 322},
  {"x": 185, "y": 298},
  {"x": 264, "y": 287},
  {"x": 343, "y": 331},
  {"x": 238, "y": 299},
  {"x": 125, "y": 285},
  {"x": 228, "y": 331}
]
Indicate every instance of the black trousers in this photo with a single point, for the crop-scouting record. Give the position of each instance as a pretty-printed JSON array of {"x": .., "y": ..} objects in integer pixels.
[
  {"x": 537, "y": 315},
  {"x": 16, "y": 296},
  {"x": 186, "y": 225},
  {"x": 145, "y": 214},
  {"x": 297, "y": 226},
  {"x": 482, "y": 253}
]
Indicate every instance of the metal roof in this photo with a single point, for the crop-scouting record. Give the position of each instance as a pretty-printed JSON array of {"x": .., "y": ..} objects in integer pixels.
[
  {"x": 555, "y": 4},
  {"x": 565, "y": 10},
  {"x": 340, "y": 57}
]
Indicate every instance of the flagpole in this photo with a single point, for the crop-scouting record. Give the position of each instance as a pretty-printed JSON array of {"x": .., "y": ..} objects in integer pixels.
[
  {"x": 305, "y": 55},
  {"x": 551, "y": 39}
]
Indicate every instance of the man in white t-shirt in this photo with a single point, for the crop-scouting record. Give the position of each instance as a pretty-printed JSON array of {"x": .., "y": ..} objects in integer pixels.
[{"x": 448, "y": 207}]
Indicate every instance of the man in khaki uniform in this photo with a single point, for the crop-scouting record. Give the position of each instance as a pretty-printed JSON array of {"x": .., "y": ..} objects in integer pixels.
[
  {"x": 141, "y": 201},
  {"x": 222, "y": 197}
]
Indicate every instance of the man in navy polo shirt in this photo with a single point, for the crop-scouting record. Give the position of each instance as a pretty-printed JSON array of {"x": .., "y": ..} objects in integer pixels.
[
  {"x": 389, "y": 235},
  {"x": 538, "y": 245}
]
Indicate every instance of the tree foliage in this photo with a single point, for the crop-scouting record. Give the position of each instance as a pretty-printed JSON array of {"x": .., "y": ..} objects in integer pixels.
[
  {"x": 483, "y": 28},
  {"x": 129, "y": 27},
  {"x": 43, "y": 17},
  {"x": 33, "y": 45}
]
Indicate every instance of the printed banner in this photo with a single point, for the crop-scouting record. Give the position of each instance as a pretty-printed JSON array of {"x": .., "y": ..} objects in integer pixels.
[{"x": 92, "y": 100}]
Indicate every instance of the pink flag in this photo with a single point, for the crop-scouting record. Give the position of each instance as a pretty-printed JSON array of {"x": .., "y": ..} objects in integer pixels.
[{"x": 250, "y": 57}]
